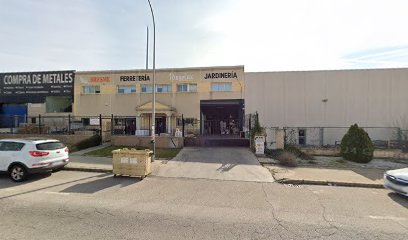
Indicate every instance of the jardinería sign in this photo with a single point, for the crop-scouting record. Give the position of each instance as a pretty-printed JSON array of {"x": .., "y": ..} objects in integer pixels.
[{"x": 33, "y": 87}]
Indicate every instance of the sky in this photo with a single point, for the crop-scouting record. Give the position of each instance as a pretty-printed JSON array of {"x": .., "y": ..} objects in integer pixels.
[{"x": 262, "y": 35}]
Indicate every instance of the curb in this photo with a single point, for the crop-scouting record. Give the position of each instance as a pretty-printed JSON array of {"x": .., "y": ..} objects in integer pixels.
[
  {"x": 329, "y": 183},
  {"x": 79, "y": 169}
]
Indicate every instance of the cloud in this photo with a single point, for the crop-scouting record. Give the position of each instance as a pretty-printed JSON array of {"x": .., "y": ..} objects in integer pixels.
[{"x": 263, "y": 35}]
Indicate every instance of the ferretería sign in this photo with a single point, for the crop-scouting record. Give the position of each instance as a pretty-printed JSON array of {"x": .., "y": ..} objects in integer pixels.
[{"x": 33, "y": 87}]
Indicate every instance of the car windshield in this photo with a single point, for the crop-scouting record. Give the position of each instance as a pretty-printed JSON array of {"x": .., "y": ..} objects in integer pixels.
[{"x": 50, "y": 146}]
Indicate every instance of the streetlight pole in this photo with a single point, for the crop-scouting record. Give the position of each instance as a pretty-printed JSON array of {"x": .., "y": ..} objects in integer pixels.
[{"x": 154, "y": 85}]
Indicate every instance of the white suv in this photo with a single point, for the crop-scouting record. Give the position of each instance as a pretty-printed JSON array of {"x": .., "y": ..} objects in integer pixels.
[{"x": 21, "y": 157}]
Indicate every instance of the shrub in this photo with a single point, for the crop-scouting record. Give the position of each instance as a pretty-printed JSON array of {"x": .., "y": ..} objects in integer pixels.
[
  {"x": 93, "y": 141},
  {"x": 287, "y": 159},
  {"x": 356, "y": 145},
  {"x": 298, "y": 153}
]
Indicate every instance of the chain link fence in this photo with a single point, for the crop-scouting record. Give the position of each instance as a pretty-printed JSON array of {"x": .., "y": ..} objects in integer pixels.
[{"x": 328, "y": 137}]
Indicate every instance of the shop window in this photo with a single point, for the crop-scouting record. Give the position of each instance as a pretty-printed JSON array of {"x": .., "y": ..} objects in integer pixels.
[
  {"x": 187, "y": 87},
  {"x": 187, "y": 121},
  {"x": 160, "y": 88},
  {"x": 221, "y": 87},
  {"x": 91, "y": 89},
  {"x": 58, "y": 104},
  {"x": 127, "y": 89}
]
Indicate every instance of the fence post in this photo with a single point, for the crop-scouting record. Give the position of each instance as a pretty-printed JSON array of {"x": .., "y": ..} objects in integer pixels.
[
  {"x": 12, "y": 122},
  {"x": 182, "y": 123},
  {"x": 69, "y": 123},
  {"x": 112, "y": 125},
  {"x": 39, "y": 123},
  {"x": 321, "y": 136},
  {"x": 100, "y": 125}
]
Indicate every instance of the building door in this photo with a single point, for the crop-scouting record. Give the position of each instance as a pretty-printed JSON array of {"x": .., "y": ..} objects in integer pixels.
[
  {"x": 222, "y": 117},
  {"x": 160, "y": 125}
]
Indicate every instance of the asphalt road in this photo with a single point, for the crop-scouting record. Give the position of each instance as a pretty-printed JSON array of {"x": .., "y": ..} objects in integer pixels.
[{"x": 78, "y": 205}]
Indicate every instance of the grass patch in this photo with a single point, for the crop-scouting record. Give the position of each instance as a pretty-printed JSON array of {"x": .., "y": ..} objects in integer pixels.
[
  {"x": 160, "y": 152},
  {"x": 341, "y": 162},
  {"x": 311, "y": 162}
]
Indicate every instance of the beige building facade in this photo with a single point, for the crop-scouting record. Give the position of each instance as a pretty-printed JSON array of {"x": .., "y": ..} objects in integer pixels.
[{"x": 195, "y": 93}]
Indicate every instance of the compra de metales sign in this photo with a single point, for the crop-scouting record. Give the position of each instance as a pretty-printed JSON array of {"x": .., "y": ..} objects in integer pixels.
[{"x": 33, "y": 87}]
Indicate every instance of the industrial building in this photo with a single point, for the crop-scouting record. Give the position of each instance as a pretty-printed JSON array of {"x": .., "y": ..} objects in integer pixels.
[{"x": 215, "y": 100}]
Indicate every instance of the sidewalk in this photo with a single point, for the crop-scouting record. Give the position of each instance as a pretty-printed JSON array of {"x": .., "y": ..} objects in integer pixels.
[
  {"x": 353, "y": 177},
  {"x": 89, "y": 164},
  {"x": 100, "y": 164}
]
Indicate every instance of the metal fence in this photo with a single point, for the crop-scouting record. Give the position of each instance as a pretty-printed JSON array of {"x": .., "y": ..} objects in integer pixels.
[
  {"x": 382, "y": 137},
  {"x": 104, "y": 125}
]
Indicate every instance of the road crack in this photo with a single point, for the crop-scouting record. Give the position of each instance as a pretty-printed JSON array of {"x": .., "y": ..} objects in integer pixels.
[{"x": 280, "y": 224}]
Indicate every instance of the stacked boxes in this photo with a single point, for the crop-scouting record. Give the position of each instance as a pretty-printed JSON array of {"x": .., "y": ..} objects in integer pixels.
[{"x": 132, "y": 162}]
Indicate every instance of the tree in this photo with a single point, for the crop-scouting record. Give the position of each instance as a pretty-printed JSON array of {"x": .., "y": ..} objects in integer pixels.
[{"x": 356, "y": 145}]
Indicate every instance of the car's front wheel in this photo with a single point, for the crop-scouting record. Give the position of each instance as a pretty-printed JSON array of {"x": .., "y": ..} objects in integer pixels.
[{"x": 18, "y": 173}]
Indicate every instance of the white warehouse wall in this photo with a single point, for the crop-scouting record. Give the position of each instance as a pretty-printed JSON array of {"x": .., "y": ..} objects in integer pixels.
[{"x": 372, "y": 98}]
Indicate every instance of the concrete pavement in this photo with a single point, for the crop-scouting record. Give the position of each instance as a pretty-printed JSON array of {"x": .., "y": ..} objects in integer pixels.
[
  {"x": 220, "y": 163},
  {"x": 80, "y": 205}
]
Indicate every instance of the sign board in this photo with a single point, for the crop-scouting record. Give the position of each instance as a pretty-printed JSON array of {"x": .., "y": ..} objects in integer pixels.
[
  {"x": 94, "y": 121},
  {"x": 34, "y": 87},
  {"x": 260, "y": 144}
]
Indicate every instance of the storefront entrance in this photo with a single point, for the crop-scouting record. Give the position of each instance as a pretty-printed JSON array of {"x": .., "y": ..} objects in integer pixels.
[
  {"x": 160, "y": 124},
  {"x": 222, "y": 117}
]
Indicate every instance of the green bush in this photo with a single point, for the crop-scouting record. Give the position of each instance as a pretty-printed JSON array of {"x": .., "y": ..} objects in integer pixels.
[
  {"x": 357, "y": 146},
  {"x": 93, "y": 141}
]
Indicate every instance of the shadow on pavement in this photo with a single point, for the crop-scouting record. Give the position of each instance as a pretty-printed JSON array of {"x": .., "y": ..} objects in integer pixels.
[
  {"x": 373, "y": 174},
  {"x": 226, "y": 167},
  {"x": 101, "y": 184},
  {"x": 43, "y": 188},
  {"x": 225, "y": 156},
  {"x": 400, "y": 199},
  {"x": 6, "y": 182}
]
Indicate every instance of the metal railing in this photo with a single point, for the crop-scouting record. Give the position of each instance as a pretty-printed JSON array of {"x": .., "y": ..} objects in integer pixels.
[{"x": 98, "y": 124}]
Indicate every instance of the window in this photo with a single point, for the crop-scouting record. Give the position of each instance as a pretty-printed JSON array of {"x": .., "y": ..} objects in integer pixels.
[
  {"x": 221, "y": 87},
  {"x": 163, "y": 88},
  {"x": 187, "y": 121},
  {"x": 160, "y": 88},
  {"x": 187, "y": 87},
  {"x": 302, "y": 136},
  {"x": 11, "y": 146},
  {"x": 58, "y": 104},
  {"x": 91, "y": 89},
  {"x": 127, "y": 89},
  {"x": 50, "y": 146},
  {"x": 86, "y": 121}
]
